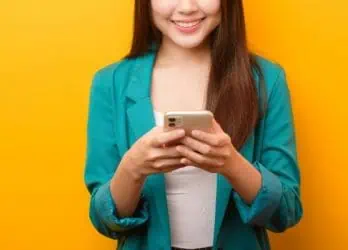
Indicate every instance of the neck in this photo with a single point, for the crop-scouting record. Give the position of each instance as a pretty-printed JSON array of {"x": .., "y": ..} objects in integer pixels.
[{"x": 170, "y": 53}]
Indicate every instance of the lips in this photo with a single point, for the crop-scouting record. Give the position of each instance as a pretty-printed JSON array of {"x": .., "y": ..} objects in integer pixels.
[{"x": 187, "y": 24}]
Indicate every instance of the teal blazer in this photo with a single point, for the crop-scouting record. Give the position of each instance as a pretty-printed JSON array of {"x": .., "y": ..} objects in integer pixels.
[{"x": 121, "y": 111}]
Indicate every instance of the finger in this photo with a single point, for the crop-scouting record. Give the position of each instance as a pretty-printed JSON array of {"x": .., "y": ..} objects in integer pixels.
[
  {"x": 163, "y": 153},
  {"x": 212, "y": 139},
  {"x": 186, "y": 161},
  {"x": 199, "y": 158},
  {"x": 199, "y": 146},
  {"x": 163, "y": 164},
  {"x": 171, "y": 169},
  {"x": 169, "y": 152},
  {"x": 205, "y": 149},
  {"x": 166, "y": 137}
]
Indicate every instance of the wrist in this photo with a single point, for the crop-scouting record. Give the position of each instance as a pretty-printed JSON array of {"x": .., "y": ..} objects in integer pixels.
[
  {"x": 131, "y": 169},
  {"x": 233, "y": 165}
]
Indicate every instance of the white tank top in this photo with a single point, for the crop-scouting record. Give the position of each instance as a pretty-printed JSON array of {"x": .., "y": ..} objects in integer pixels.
[{"x": 191, "y": 199}]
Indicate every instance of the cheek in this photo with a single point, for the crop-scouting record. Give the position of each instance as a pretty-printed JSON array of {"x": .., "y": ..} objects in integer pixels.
[
  {"x": 162, "y": 8},
  {"x": 210, "y": 7}
]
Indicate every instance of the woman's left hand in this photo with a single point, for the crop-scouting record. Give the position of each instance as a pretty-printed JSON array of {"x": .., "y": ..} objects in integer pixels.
[{"x": 210, "y": 151}]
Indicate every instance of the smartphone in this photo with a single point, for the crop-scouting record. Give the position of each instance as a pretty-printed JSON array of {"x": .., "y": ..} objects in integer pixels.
[{"x": 188, "y": 120}]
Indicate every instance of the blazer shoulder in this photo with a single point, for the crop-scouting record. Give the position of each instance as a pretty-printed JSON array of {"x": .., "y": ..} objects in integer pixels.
[
  {"x": 118, "y": 66},
  {"x": 114, "y": 75},
  {"x": 271, "y": 71}
]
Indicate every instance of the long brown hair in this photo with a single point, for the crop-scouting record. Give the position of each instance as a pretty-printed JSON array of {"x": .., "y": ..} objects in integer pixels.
[{"x": 232, "y": 93}]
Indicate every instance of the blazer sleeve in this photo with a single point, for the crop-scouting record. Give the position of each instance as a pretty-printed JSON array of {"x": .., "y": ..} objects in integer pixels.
[
  {"x": 277, "y": 205},
  {"x": 102, "y": 159}
]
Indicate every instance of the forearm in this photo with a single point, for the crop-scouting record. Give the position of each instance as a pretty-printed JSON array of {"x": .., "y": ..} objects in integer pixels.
[
  {"x": 126, "y": 189},
  {"x": 246, "y": 179}
]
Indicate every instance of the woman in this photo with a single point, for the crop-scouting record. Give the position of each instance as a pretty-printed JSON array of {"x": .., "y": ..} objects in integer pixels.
[{"x": 216, "y": 190}]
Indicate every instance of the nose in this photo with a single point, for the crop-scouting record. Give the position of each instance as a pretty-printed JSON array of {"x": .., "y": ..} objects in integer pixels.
[{"x": 187, "y": 6}]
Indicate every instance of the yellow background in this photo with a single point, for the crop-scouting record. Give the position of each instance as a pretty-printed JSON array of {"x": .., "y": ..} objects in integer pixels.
[{"x": 49, "y": 51}]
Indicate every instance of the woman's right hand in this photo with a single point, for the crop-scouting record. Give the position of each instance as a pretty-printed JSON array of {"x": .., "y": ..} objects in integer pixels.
[{"x": 148, "y": 155}]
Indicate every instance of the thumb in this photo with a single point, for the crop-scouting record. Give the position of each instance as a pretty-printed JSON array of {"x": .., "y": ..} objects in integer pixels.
[{"x": 216, "y": 126}]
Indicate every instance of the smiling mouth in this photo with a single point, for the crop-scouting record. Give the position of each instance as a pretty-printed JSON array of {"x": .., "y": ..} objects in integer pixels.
[{"x": 185, "y": 24}]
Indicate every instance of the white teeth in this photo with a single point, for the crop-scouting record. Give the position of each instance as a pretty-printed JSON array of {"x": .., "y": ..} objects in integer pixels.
[{"x": 187, "y": 25}]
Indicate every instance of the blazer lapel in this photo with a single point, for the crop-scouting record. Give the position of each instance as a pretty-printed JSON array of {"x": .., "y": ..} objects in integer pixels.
[
  {"x": 140, "y": 110},
  {"x": 140, "y": 118},
  {"x": 224, "y": 190},
  {"x": 222, "y": 198}
]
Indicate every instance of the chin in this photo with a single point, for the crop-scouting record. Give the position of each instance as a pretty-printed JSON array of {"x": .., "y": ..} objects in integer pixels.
[{"x": 188, "y": 43}]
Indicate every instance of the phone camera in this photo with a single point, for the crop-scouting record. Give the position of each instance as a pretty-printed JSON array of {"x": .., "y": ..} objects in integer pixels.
[
  {"x": 172, "y": 119},
  {"x": 171, "y": 124}
]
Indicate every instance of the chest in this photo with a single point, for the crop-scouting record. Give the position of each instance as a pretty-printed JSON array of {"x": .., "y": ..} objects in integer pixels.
[{"x": 178, "y": 89}]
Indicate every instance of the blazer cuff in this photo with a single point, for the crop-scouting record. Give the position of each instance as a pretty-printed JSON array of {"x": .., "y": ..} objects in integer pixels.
[
  {"x": 107, "y": 212},
  {"x": 266, "y": 201}
]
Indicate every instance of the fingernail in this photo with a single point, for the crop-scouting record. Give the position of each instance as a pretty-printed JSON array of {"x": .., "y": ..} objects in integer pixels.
[
  {"x": 181, "y": 132},
  {"x": 185, "y": 161}
]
